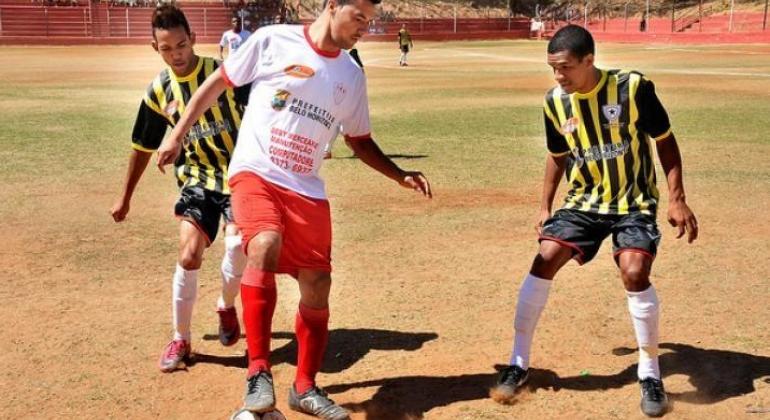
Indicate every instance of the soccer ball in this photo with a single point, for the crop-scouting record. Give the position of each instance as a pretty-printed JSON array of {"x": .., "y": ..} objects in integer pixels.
[{"x": 248, "y": 415}]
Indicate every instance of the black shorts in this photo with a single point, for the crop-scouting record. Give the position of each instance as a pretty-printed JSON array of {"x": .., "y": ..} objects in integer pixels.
[
  {"x": 404, "y": 49},
  {"x": 204, "y": 208},
  {"x": 584, "y": 232}
]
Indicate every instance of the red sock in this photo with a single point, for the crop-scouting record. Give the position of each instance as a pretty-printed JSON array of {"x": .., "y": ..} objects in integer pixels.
[
  {"x": 258, "y": 307},
  {"x": 312, "y": 328}
]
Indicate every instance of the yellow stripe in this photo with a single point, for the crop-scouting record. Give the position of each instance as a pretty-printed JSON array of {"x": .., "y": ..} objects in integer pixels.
[
  {"x": 210, "y": 145},
  {"x": 612, "y": 99},
  {"x": 180, "y": 175},
  {"x": 593, "y": 167},
  {"x": 604, "y": 205},
  {"x": 575, "y": 174},
  {"x": 162, "y": 100},
  {"x": 194, "y": 146},
  {"x": 663, "y": 136},
  {"x": 142, "y": 149},
  {"x": 633, "y": 85},
  {"x": 228, "y": 139}
]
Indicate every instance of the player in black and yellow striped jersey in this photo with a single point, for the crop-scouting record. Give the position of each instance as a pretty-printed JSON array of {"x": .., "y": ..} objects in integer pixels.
[
  {"x": 201, "y": 171},
  {"x": 600, "y": 127}
]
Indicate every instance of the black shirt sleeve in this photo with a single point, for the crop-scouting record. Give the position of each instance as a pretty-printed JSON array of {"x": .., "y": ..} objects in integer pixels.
[
  {"x": 555, "y": 141},
  {"x": 149, "y": 129},
  {"x": 653, "y": 118}
]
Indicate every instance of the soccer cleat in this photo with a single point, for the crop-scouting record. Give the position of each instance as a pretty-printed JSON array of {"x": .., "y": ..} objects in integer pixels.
[
  {"x": 654, "y": 400},
  {"x": 176, "y": 354},
  {"x": 316, "y": 403},
  {"x": 510, "y": 380},
  {"x": 260, "y": 395},
  {"x": 229, "y": 328}
]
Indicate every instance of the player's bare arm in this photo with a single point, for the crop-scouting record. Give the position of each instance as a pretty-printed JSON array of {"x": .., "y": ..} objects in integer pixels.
[
  {"x": 371, "y": 154},
  {"x": 554, "y": 170},
  {"x": 202, "y": 100},
  {"x": 679, "y": 213},
  {"x": 137, "y": 163}
]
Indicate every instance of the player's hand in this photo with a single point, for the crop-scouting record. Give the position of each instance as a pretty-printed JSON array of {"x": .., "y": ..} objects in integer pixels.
[
  {"x": 544, "y": 215},
  {"x": 167, "y": 153},
  {"x": 681, "y": 217},
  {"x": 416, "y": 181},
  {"x": 119, "y": 210}
]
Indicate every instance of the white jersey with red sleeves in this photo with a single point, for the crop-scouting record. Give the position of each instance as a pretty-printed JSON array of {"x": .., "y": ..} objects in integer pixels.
[{"x": 300, "y": 98}]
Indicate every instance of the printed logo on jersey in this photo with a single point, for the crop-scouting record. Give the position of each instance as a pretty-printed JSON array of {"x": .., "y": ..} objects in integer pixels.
[
  {"x": 570, "y": 126},
  {"x": 299, "y": 71},
  {"x": 279, "y": 99},
  {"x": 339, "y": 93},
  {"x": 612, "y": 112},
  {"x": 604, "y": 152},
  {"x": 170, "y": 109}
]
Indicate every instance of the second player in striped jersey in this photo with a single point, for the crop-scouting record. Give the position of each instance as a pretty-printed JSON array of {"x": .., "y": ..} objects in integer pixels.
[{"x": 201, "y": 172}]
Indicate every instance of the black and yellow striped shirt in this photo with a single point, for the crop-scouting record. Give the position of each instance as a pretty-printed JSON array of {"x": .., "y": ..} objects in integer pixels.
[
  {"x": 208, "y": 145},
  {"x": 606, "y": 134}
]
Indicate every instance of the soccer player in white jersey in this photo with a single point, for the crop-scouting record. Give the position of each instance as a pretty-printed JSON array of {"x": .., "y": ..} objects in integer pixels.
[{"x": 305, "y": 88}]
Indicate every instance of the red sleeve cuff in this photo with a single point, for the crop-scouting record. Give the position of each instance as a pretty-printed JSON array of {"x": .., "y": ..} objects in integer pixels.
[
  {"x": 367, "y": 136},
  {"x": 227, "y": 80}
]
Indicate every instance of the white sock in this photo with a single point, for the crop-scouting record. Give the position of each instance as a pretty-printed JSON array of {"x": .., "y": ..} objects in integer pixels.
[
  {"x": 644, "y": 309},
  {"x": 184, "y": 289},
  {"x": 532, "y": 298},
  {"x": 232, "y": 267}
]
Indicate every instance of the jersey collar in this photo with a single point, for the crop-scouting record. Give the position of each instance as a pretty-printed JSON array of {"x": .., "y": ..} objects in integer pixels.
[
  {"x": 193, "y": 74},
  {"x": 318, "y": 51},
  {"x": 596, "y": 88}
]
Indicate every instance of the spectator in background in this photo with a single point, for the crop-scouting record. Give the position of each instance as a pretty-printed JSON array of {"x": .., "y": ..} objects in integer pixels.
[
  {"x": 233, "y": 38},
  {"x": 643, "y": 25},
  {"x": 404, "y": 43}
]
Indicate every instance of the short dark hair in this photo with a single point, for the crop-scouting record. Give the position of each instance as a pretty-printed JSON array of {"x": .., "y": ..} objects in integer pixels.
[
  {"x": 169, "y": 16},
  {"x": 574, "y": 39},
  {"x": 344, "y": 2}
]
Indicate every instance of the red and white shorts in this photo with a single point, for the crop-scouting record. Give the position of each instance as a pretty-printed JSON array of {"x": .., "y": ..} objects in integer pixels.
[{"x": 304, "y": 222}]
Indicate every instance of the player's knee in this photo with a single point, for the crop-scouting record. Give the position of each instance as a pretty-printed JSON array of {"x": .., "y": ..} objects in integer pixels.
[
  {"x": 636, "y": 277},
  {"x": 189, "y": 260},
  {"x": 264, "y": 250},
  {"x": 544, "y": 265}
]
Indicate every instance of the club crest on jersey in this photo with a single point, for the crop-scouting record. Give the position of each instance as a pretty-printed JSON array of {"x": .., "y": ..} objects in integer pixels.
[
  {"x": 612, "y": 112},
  {"x": 339, "y": 93},
  {"x": 299, "y": 71},
  {"x": 171, "y": 107},
  {"x": 279, "y": 99},
  {"x": 570, "y": 126}
]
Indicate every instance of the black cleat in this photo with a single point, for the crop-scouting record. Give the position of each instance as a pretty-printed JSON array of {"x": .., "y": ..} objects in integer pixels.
[
  {"x": 510, "y": 381},
  {"x": 654, "y": 400}
]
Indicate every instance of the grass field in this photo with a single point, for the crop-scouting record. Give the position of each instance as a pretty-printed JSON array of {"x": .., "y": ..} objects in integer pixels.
[{"x": 424, "y": 292}]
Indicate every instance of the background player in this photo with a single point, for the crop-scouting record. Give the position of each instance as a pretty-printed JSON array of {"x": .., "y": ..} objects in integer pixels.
[
  {"x": 233, "y": 38},
  {"x": 404, "y": 44}
]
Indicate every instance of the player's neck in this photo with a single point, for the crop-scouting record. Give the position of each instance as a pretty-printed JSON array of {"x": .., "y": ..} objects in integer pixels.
[
  {"x": 320, "y": 34},
  {"x": 592, "y": 82},
  {"x": 190, "y": 68}
]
